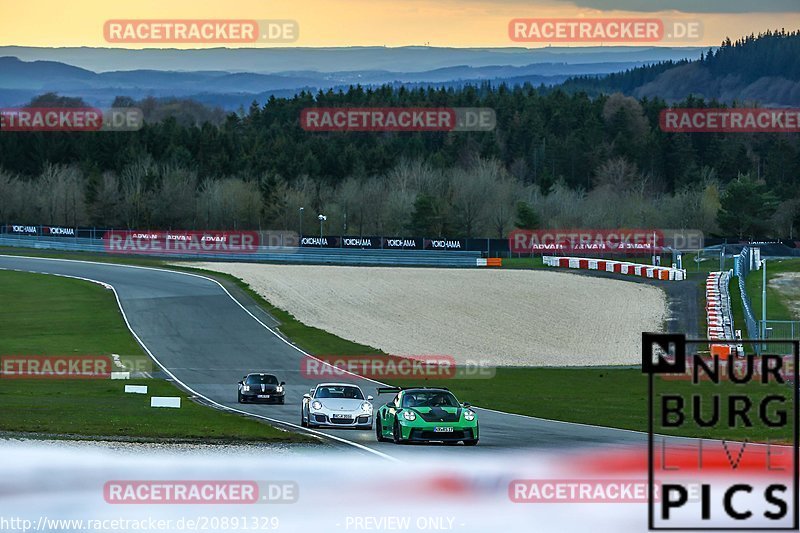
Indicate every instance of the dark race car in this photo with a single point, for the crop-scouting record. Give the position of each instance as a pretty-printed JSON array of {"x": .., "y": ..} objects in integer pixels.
[{"x": 261, "y": 388}]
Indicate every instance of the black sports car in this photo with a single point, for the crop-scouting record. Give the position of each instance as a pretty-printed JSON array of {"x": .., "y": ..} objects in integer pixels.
[{"x": 261, "y": 388}]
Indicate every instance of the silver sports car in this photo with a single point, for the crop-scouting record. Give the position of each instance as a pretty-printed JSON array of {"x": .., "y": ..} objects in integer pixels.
[{"x": 336, "y": 405}]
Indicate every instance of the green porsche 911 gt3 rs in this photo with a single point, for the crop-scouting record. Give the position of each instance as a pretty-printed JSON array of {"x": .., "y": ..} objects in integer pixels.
[{"x": 425, "y": 414}]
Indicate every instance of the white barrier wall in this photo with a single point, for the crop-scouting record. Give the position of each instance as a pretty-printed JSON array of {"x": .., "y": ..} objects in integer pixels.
[{"x": 620, "y": 267}]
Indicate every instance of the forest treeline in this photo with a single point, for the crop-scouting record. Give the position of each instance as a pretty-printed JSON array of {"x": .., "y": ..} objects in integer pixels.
[
  {"x": 761, "y": 67},
  {"x": 555, "y": 159}
]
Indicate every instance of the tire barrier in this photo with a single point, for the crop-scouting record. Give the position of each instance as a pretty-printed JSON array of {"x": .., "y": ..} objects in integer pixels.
[
  {"x": 618, "y": 267},
  {"x": 719, "y": 316},
  {"x": 489, "y": 262}
]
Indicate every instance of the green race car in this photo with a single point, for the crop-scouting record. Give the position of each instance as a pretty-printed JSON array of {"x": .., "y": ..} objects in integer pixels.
[{"x": 423, "y": 414}]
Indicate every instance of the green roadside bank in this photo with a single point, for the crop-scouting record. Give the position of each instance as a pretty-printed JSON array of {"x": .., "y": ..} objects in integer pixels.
[{"x": 46, "y": 315}]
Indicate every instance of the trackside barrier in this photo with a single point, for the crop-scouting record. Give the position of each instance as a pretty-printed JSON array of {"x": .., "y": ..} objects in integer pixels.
[
  {"x": 489, "y": 262},
  {"x": 295, "y": 255},
  {"x": 719, "y": 315},
  {"x": 743, "y": 266},
  {"x": 619, "y": 267}
]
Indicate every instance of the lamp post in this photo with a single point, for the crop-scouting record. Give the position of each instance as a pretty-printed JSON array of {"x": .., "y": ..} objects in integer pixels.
[
  {"x": 301, "y": 222},
  {"x": 763, "y": 298},
  {"x": 322, "y": 218}
]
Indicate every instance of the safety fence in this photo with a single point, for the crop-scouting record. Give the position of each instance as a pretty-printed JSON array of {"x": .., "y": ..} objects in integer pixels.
[
  {"x": 780, "y": 329},
  {"x": 272, "y": 254},
  {"x": 742, "y": 267},
  {"x": 618, "y": 267},
  {"x": 485, "y": 247}
]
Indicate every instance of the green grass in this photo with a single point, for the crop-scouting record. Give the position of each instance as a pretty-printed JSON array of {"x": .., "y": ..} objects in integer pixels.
[
  {"x": 49, "y": 315},
  {"x": 777, "y": 308},
  {"x": 101, "y": 408},
  {"x": 523, "y": 262}
]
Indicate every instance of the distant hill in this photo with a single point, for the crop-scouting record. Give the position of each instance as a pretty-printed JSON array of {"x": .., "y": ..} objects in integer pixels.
[
  {"x": 343, "y": 59},
  {"x": 229, "y": 89},
  {"x": 763, "y": 69}
]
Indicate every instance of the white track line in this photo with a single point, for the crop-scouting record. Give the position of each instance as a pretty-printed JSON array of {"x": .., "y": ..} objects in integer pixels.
[{"x": 165, "y": 369}]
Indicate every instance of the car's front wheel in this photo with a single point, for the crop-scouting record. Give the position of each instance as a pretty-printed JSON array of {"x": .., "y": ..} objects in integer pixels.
[
  {"x": 241, "y": 400},
  {"x": 379, "y": 430},
  {"x": 303, "y": 422},
  {"x": 473, "y": 442},
  {"x": 397, "y": 436}
]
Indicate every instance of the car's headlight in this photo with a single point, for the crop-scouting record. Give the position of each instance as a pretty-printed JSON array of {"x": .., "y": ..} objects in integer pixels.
[
  {"x": 279, "y": 389},
  {"x": 246, "y": 388},
  {"x": 409, "y": 415},
  {"x": 316, "y": 405},
  {"x": 469, "y": 415},
  {"x": 366, "y": 406}
]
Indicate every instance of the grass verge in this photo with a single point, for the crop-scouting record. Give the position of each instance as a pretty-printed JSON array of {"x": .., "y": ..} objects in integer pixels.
[{"x": 50, "y": 315}]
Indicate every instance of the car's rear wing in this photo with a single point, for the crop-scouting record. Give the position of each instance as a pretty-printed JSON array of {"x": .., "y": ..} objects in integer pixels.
[{"x": 389, "y": 390}]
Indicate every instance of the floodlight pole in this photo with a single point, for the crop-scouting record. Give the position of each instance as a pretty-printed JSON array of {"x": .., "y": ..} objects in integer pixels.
[
  {"x": 301, "y": 222},
  {"x": 763, "y": 298},
  {"x": 321, "y": 218}
]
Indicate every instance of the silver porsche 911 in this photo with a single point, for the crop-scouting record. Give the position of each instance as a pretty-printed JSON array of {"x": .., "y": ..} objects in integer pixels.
[{"x": 336, "y": 405}]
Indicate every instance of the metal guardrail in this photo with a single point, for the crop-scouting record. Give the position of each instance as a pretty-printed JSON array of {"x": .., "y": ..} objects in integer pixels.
[
  {"x": 295, "y": 255},
  {"x": 742, "y": 270},
  {"x": 725, "y": 301}
]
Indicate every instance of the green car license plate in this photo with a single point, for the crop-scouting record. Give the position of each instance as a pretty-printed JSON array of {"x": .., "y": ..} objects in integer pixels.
[{"x": 443, "y": 430}]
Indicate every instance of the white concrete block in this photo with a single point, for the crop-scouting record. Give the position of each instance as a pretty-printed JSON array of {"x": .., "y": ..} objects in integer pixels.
[{"x": 165, "y": 401}]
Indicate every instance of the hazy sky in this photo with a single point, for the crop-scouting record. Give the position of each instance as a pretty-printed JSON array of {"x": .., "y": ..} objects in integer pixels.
[{"x": 459, "y": 23}]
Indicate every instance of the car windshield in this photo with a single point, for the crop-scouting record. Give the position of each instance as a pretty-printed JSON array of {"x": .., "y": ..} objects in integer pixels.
[
  {"x": 259, "y": 379},
  {"x": 339, "y": 391},
  {"x": 429, "y": 399}
]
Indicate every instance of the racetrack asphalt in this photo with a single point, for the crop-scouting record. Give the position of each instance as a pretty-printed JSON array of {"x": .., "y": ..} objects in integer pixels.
[{"x": 207, "y": 341}]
